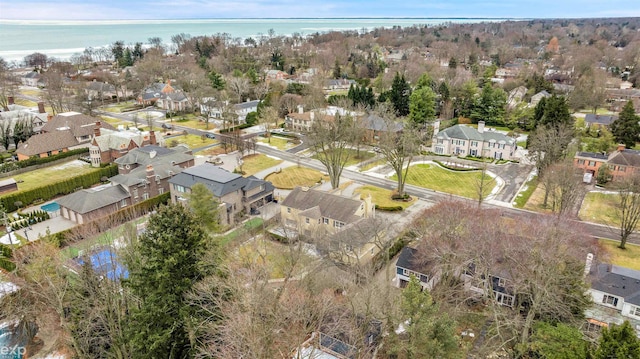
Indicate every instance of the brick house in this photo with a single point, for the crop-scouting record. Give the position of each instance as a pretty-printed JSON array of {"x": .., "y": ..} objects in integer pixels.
[
  {"x": 108, "y": 145},
  {"x": 622, "y": 162},
  {"x": 235, "y": 194}
]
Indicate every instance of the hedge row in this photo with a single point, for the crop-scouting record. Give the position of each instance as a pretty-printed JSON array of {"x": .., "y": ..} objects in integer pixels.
[
  {"x": 231, "y": 129},
  {"x": 67, "y": 186},
  {"x": 97, "y": 226},
  {"x": 32, "y": 161},
  {"x": 27, "y": 219},
  {"x": 389, "y": 208},
  {"x": 460, "y": 169}
]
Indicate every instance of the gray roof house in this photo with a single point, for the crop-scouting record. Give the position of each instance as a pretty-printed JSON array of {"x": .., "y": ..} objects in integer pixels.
[
  {"x": 461, "y": 140},
  {"x": 615, "y": 292},
  {"x": 591, "y": 119},
  {"x": 235, "y": 193},
  {"x": 89, "y": 204},
  {"x": 409, "y": 264}
]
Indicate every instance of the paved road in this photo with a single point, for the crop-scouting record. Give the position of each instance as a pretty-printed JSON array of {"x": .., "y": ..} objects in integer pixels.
[
  {"x": 157, "y": 122},
  {"x": 595, "y": 230}
]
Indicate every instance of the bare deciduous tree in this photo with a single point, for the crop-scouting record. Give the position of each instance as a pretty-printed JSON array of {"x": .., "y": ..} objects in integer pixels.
[
  {"x": 331, "y": 138},
  {"x": 629, "y": 207}
]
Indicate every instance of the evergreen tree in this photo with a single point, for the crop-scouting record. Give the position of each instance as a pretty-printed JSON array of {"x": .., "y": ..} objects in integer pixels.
[
  {"x": 422, "y": 106},
  {"x": 429, "y": 333},
  {"x": 556, "y": 112},
  {"x": 453, "y": 63},
  {"x": 169, "y": 262},
  {"x": 425, "y": 81},
  {"x": 490, "y": 106},
  {"x": 117, "y": 50},
  {"x": 204, "y": 206},
  {"x": 399, "y": 95},
  {"x": 556, "y": 341},
  {"x": 618, "y": 342},
  {"x": 625, "y": 128},
  {"x": 217, "y": 82},
  {"x": 337, "y": 71}
]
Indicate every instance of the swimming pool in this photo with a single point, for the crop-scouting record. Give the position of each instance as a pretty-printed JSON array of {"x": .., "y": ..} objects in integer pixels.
[
  {"x": 50, "y": 207},
  {"x": 105, "y": 262}
]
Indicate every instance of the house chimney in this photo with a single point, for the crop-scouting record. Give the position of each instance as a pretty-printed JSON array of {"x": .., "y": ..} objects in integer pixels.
[
  {"x": 150, "y": 172},
  {"x": 41, "y": 107},
  {"x": 152, "y": 137},
  {"x": 587, "y": 265},
  {"x": 481, "y": 126},
  {"x": 10, "y": 100},
  {"x": 96, "y": 130},
  {"x": 300, "y": 109},
  {"x": 621, "y": 147}
]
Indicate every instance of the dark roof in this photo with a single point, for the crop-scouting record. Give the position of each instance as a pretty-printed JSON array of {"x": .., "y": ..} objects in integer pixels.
[
  {"x": 45, "y": 142},
  {"x": 626, "y": 158},
  {"x": 79, "y": 124},
  {"x": 618, "y": 281},
  {"x": 218, "y": 180},
  {"x": 408, "y": 259},
  {"x": 87, "y": 200},
  {"x": 153, "y": 155},
  {"x": 377, "y": 123},
  {"x": 605, "y": 120},
  {"x": 246, "y": 105},
  {"x": 138, "y": 175},
  {"x": 598, "y": 156},
  {"x": 329, "y": 205},
  {"x": 470, "y": 133}
]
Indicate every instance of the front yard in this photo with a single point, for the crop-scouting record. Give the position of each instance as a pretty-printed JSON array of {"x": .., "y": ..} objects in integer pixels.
[
  {"x": 253, "y": 164},
  {"x": 599, "y": 207},
  {"x": 381, "y": 197},
  {"x": 48, "y": 175},
  {"x": 629, "y": 257},
  {"x": 192, "y": 121},
  {"x": 281, "y": 143},
  {"x": 191, "y": 141},
  {"x": 355, "y": 156},
  {"x": 291, "y": 177},
  {"x": 461, "y": 183}
]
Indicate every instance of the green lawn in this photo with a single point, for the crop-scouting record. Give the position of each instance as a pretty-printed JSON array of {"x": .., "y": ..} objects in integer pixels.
[
  {"x": 253, "y": 164},
  {"x": 48, "y": 175},
  {"x": 373, "y": 164},
  {"x": 281, "y": 143},
  {"x": 629, "y": 257},
  {"x": 249, "y": 225},
  {"x": 600, "y": 208},
  {"x": 454, "y": 182},
  {"x": 192, "y": 121},
  {"x": 33, "y": 92},
  {"x": 599, "y": 111},
  {"x": 23, "y": 102},
  {"x": 117, "y": 108},
  {"x": 381, "y": 197},
  {"x": 527, "y": 191},
  {"x": 354, "y": 156},
  {"x": 292, "y": 177},
  {"x": 192, "y": 141}
]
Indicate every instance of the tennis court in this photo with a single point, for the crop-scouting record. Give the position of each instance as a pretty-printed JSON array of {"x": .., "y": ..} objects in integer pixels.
[{"x": 105, "y": 262}]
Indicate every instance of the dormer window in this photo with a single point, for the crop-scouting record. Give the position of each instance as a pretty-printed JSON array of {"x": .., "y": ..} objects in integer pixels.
[{"x": 610, "y": 300}]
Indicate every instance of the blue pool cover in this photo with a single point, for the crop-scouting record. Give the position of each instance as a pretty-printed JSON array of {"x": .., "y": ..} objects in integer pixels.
[
  {"x": 50, "y": 207},
  {"x": 105, "y": 262}
]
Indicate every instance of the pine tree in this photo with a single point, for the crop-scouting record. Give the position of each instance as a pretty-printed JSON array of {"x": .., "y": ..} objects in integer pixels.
[
  {"x": 618, "y": 342},
  {"x": 490, "y": 106},
  {"x": 422, "y": 106},
  {"x": 169, "y": 262},
  {"x": 625, "y": 128},
  {"x": 399, "y": 95},
  {"x": 337, "y": 71}
]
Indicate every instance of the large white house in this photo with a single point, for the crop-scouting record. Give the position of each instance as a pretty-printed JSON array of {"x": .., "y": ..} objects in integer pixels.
[{"x": 461, "y": 140}]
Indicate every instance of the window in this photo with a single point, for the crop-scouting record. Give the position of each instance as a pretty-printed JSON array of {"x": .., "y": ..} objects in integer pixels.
[
  {"x": 501, "y": 282},
  {"x": 440, "y": 141},
  {"x": 406, "y": 272},
  {"x": 49, "y": 153},
  {"x": 123, "y": 203},
  {"x": 288, "y": 209},
  {"x": 592, "y": 163},
  {"x": 145, "y": 196},
  {"x": 179, "y": 188},
  {"x": 325, "y": 220},
  {"x": 504, "y": 299},
  {"x": 161, "y": 190},
  {"x": 610, "y": 300},
  {"x": 635, "y": 311},
  {"x": 623, "y": 168},
  {"x": 135, "y": 193},
  {"x": 580, "y": 162},
  {"x": 306, "y": 220},
  {"x": 337, "y": 224}
]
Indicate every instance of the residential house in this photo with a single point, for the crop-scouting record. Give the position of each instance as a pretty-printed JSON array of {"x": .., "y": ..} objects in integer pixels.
[
  {"x": 375, "y": 125},
  {"x": 494, "y": 284},
  {"x": 275, "y": 75},
  {"x": 460, "y": 140},
  {"x": 539, "y": 96},
  {"x": 515, "y": 96},
  {"x": 14, "y": 113},
  {"x": 333, "y": 343},
  {"x": 98, "y": 90},
  {"x": 617, "y": 98},
  {"x": 591, "y": 119},
  {"x": 245, "y": 108},
  {"x": 615, "y": 292},
  {"x": 143, "y": 173},
  {"x": 81, "y": 126},
  {"x": 409, "y": 264},
  {"x": 338, "y": 84},
  {"x": 236, "y": 194},
  {"x": 302, "y": 121},
  {"x": 33, "y": 79},
  {"x": 164, "y": 96},
  {"x": 108, "y": 145},
  {"x": 622, "y": 162},
  {"x": 345, "y": 224}
]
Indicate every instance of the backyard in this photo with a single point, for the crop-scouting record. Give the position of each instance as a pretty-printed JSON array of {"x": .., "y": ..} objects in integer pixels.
[
  {"x": 253, "y": 164},
  {"x": 599, "y": 207},
  {"x": 461, "y": 183},
  {"x": 48, "y": 175},
  {"x": 381, "y": 197},
  {"x": 291, "y": 177},
  {"x": 621, "y": 257},
  {"x": 275, "y": 258}
]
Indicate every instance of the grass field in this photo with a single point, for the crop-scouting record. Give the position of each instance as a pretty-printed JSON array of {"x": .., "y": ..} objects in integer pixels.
[
  {"x": 381, "y": 197},
  {"x": 192, "y": 141},
  {"x": 292, "y": 177},
  {"x": 459, "y": 183},
  {"x": 281, "y": 143},
  {"x": 629, "y": 257},
  {"x": 49, "y": 175},
  {"x": 253, "y": 164},
  {"x": 523, "y": 197},
  {"x": 276, "y": 258},
  {"x": 117, "y": 108},
  {"x": 373, "y": 164},
  {"x": 355, "y": 157},
  {"x": 192, "y": 121},
  {"x": 536, "y": 199},
  {"x": 23, "y": 102},
  {"x": 600, "y": 208},
  {"x": 33, "y": 92}
]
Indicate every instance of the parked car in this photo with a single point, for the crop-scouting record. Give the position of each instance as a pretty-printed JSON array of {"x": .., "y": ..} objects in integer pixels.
[
  {"x": 210, "y": 135},
  {"x": 167, "y": 126}
]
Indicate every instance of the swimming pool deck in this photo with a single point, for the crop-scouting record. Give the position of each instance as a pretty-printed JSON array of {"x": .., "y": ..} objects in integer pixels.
[{"x": 54, "y": 225}]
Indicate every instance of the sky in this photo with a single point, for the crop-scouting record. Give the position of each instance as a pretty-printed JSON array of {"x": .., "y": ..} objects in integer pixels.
[{"x": 210, "y": 9}]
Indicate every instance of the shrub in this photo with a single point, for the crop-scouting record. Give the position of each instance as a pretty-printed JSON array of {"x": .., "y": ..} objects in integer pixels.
[
  {"x": 389, "y": 208},
  {"x": 33, "y": 161}
]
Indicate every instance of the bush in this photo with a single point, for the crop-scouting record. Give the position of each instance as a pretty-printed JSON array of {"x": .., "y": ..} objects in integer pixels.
[
  {"x": 389, "y": 208},
  {"x": 460, "y": 169},
  {"x": 33, "y": 161},
  {"x": 55, "y": 189}
]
